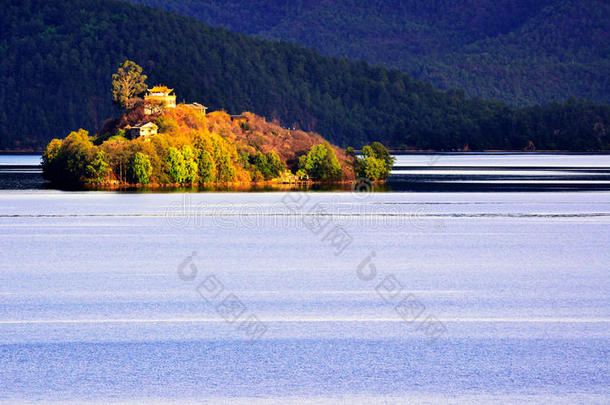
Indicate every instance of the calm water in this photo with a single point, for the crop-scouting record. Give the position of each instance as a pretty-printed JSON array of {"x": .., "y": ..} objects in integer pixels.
[
  {"x": 20, "y": 172},
  {"x": 463, "y": 172},
  {"x": 501, "y": 296},
  {"x": 501, "y": 172}
]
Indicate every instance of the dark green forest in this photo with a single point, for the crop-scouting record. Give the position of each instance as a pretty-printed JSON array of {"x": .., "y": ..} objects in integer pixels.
[
  {"x": 56, "y": 60},
  {"x": 522, "y": 52}
]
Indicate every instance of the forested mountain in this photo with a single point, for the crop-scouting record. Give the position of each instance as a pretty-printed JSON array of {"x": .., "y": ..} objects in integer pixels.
[
  {"x": 57, "y": 58},
  {"x": 518, "y": 51}
]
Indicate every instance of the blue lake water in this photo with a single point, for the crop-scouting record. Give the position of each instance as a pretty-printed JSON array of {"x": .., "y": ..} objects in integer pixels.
[{"x": 376, "y": 298}]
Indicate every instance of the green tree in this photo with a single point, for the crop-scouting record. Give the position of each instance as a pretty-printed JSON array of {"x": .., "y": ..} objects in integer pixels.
[
  {"x": 382, "y": 153},
  {"x": 301, "y": 174},
  {"x": 225, "y": 171},
  {"x": 207, "y": 167},
  {"x": 127, "y": 83},
  {"x": 98, "y": 169},
  {"x": 376, "y": 163},
  {"x": 321, "y": 163},
  {"x": 140, "y": 168},
  {"x": 190, "y": 164},
  {"x": 78, "y": 151},
  {"x": 67, "y": 162},
  {"x": 373, "y": 168},
  {"x": 176, "y": 168},
  {"x": 261, "y": 164},
  {"x": 224, "y": 156},
  {"x": 276, "y": 167},
  {"x": 367, "y": 151}
]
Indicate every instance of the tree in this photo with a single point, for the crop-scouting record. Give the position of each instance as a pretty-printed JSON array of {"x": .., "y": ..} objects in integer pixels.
[
  {"x": 225, "y": 171},
  {"x": 207, "y": 167},
  {"x": 176, "y": 168},
  {"x": 118, "y": 156},
  {"x": 302, "y": 174},
  {"x": 269, "y": 165},
  {"x": 381, "y": 152},
  {"x": 50, "y": 165},
  {"x": 374, "y": 169},
  {"x": 190, "y": 164},
  {"x": 98, "y": 169},
  {"x": 68, "y": 163},
  {"x": 224, "y": 156},
  {"x": 261, "y": 164},
  {"x": 276, "y": 167},
  {"x": 68, "y": 57},
  {"x": 140, "y": 168},
  {"x": 376, "y": 163},
  {"x": 321, "y": 163},
  {"x": 78, "y": 150},
  {"x": 127, "y": 84}
]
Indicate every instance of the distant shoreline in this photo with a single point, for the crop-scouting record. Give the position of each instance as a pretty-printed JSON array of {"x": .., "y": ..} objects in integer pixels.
[
  {"x": 497, "y": 152},
  {"x": 21, "y": 152},
  {"x": 404, "y": 152}
]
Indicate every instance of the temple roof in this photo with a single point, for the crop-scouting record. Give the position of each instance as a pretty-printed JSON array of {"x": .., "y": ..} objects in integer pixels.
[{"x": 160, "y": 89}]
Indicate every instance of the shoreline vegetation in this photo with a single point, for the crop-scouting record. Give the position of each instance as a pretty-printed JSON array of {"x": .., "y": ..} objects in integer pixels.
[
  {"x": 157, "y": 144},
  {"x": 400, "y": 151}
]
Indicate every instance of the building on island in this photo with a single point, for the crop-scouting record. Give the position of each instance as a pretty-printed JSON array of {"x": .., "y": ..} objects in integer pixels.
[
  {"x": 239, "y": 118},
  {"x": 198, "y": 107},
  {"x": 144, "y": 130},
  {"x": 159, "y": 96}
]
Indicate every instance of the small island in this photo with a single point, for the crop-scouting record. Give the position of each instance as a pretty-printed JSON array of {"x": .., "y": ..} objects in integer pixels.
[{"x": 157, "y": 142}]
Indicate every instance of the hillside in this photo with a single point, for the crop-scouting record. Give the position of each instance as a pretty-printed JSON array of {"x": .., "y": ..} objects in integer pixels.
[
  {"x": 520, "y": 52},
  {"x": 184, "y": 146},
  {"x": 56, "y": 59},
  {"x": 253, "y": 134}
]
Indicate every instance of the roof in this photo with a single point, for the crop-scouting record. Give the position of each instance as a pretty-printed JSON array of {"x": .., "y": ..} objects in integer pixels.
[
  {"x": 160, "y": 89},
  {"x": 145, "y": 124},
  {"x": 196, "y": 105},
  {"x": 239, "y": 117}
]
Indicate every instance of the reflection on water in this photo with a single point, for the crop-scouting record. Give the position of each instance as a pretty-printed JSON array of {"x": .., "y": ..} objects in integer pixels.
[
  {"x": 501, "y": 172},
  {"x": 412, "y": 172},
  {"x": 20, "y": 172}
]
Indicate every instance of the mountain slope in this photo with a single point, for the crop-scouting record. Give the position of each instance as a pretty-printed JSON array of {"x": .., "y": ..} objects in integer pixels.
[
  {"x": 56, "y": 60},
  {"x": 521, "y": 52}
]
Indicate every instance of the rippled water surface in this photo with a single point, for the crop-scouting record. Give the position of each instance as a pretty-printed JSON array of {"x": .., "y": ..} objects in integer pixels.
[{"x": 378, "y": 298}]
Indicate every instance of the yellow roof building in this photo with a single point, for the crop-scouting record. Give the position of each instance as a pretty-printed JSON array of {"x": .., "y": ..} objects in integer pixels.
[{"x": 161, "y": 95}]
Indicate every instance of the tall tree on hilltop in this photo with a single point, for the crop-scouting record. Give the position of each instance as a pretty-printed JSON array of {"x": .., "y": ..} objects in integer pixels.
[{"x": 127, "y": 84}]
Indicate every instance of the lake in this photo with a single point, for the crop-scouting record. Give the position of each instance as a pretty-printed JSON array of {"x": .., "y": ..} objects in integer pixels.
[
  {"x": 466, "y": 172},
  {"x": 471, "y": 279}
]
